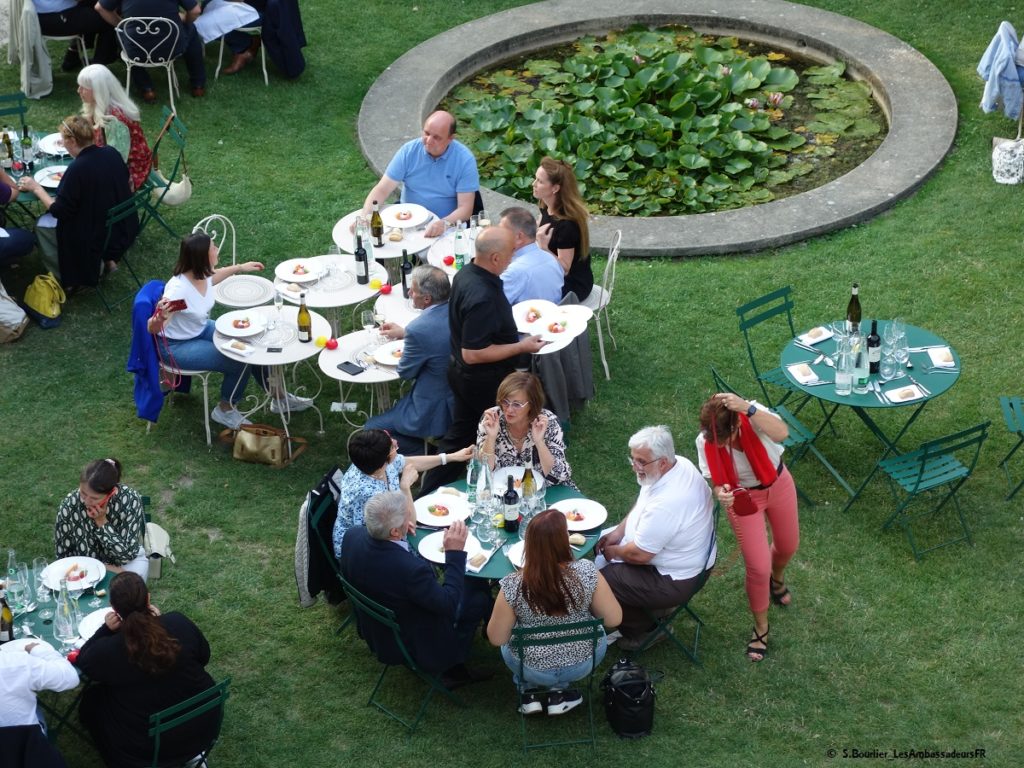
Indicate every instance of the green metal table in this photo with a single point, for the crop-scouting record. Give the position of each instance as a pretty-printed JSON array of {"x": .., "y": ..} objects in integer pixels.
[{"x": 867, "y": 405}]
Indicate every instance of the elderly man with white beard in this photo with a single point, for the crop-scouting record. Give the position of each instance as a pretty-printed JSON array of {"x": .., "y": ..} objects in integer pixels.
[{"x": 655, "y": 559}]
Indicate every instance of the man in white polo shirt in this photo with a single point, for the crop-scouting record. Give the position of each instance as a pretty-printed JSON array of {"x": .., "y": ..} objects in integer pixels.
[{"x": 656, "y": 557}]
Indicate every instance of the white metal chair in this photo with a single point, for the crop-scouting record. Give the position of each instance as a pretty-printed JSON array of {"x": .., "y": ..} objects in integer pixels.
[
  {"x": 203, "y": 376},
  {"x": 221, "y": 231},
  {"x": 253, "y": 31},
  {"x": 78, "y": 40},
  {"x": 150, "y": 42},
  {"x": 601, "y": 296}
]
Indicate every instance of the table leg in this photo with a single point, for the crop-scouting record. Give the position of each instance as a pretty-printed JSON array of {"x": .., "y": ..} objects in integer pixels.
[{"x": 891, "y": 446}]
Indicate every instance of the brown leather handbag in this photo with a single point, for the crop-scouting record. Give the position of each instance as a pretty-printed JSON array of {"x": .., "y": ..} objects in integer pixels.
[{"x": 263, "y": 444}]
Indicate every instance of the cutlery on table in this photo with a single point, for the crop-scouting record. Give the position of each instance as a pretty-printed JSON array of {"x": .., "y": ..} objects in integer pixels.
[
  {"x": 807, "y": 347},
  {"x": 926, "y": 347},
  {"x": 940, "y": 369},
  {"x": 817, "y": 383},
  {"x": 920, "y": 386}
]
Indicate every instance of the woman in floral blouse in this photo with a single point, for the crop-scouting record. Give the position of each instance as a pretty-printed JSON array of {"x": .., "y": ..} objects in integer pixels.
[
  {"x": 103, "y": 519},
  {"x": 520, "y": 432}
]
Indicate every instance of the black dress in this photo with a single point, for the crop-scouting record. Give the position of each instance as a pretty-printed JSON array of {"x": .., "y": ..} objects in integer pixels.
[
  {"x": 565, "y": 233},
  {"x": 117, "y": 707}
]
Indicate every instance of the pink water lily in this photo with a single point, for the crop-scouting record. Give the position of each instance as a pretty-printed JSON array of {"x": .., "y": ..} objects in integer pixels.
[
  {"x": 775, "y": 98},
  {"x": 638, "y": 60},
  {"x": 726, "y": 70},
  {"x": 752, "y": 104}
]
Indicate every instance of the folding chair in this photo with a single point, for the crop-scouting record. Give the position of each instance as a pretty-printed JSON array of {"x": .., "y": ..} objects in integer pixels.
[
  {"x": 149, "y": 42},
  {"x": 369, "y": 610},
  {"x": 117, "y": 214},
  {"x": 601, "y": 296},
  {"x": 934, "y": 466},
  {"x": 800, "y": 440},
  {"x": 777, "y": 305},
  {"x": 14, "y": 104},
  {"x": 1013, "y": 414},
  {"x": 321, "y": 510},
  {"x": 590, "y": 631},
  {"x": 252, "y": 32},
  {"x": 157, "y": 186},
  {"x": 168, "y": 719}
]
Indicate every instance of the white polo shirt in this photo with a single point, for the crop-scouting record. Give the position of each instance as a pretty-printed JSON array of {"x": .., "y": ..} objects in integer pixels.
[{"x": 23, "y": 674}]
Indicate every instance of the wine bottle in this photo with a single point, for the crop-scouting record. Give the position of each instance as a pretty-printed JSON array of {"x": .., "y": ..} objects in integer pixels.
[
  {"x": 9, "y": 147},
  {"x": 377, "y": 225},
  {"x": 510, "y": 506},
  {"x": 362, "y": 263},
  {"x": 460, "y": 248},
  {"x": 853, "y": 310},
  {"x": 874, "y": 348},
  {"x": 529, "y": 484},
  {"x": 406, "y": 269},
  {"x": 6, "y": 620},
  {"x": 305, "y": 321}
]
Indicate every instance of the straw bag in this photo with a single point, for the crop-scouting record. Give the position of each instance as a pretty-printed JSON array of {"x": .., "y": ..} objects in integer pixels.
[{"x": 262, "y": 444}]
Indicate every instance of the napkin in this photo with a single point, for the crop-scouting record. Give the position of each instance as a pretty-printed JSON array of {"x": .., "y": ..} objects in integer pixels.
[
  {"x": 904, "y": 394},
  {"x": 802, "y": 372},
  {"x": 815, "y": 335},
  {"x": 237, "y": 347},
  {"x": 483, "y": 556},
  {"x": 942, "y": 357}
]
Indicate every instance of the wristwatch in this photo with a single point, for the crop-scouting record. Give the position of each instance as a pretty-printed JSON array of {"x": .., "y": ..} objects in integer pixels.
[{"x": 751, "y": 411}]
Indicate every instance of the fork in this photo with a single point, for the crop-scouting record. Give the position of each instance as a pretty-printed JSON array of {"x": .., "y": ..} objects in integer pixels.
[{"x": 878, "y": 391}]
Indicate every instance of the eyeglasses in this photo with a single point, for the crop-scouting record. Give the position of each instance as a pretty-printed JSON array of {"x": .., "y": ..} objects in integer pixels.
[
  {"x": 639, "y": 464},
  {"x": 515, "y": 405}
]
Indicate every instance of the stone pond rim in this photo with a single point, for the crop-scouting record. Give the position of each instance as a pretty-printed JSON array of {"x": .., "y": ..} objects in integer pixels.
[{"x": 916, "y": 99}]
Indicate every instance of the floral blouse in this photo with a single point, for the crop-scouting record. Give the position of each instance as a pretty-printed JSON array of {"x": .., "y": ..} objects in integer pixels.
[
  {"x": 357, "y": 489},
  {"x": 505, "y": 454},
  {"x": 116, "y": 543},
  {"x": 139, "y": 157}
]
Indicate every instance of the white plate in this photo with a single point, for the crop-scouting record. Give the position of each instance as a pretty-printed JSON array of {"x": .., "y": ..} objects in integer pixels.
[
  {"x": 803, "y": 373},
  {"x": 418, "y": 215},
  {"x": 500, "y": 483},
  {"x": 50, "y": 176},
  {"x": 815, "y": 335},
  {"x": 52, "y": 144},
  {"x": 942, "y": 357},
  {"x": 458, "y": 509},
  {"x": 900, "y": 395},
  {"x": 594, "y": 513},
  {"x": 286, "y": 271},
  {"x": 432, "y": 547},
  {"x": 20, "y": 643},
  {"x": 55, "y": 571},
  {"x": 385, "y": 354},
  {"x": 244, "y": 291},
  {"x": 517, "y": 554},
  {"x": 525, "y": 310},
  {"x": 90, "y": 623},
  {"x": 225, "y": 323}
]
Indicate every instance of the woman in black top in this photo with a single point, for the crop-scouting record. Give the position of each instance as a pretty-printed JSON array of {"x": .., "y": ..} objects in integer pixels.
[
  {"x": 141, "y": 663},
  {"x": 561, "y": 207}
]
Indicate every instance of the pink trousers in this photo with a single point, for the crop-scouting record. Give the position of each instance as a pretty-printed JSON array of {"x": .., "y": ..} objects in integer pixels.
[{"x": 777, "y": 505}]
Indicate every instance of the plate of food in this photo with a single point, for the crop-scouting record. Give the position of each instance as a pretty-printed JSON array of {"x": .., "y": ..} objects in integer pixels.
[
  {"x": 84, "y": 572},
  {"x": 500, "y": 475},
  {"x": 517, "y": 554},
  {"x": 91, "y": 622},
  {"x": 297, "y": 271},
  {"x": 241, "y": 323},
  {"x": 941, "y": 357},
  {"x": 815, "y": 335},
  {"x": 557, "y": 328},
  {"x": 432, "y": 547},
  {"x": 244, "y": 291},
  {"x": 439, "y": 510},
  {"x": 803, "y": 373},
  {"x": 50, "y": 176},
  {"x": 390, "y": 353},
  {"x": 404, "y": 215},
  {"x": 52, "y": 144},
  {"x": 534, "y": 316},
  {"x": 581, "y": 514}
]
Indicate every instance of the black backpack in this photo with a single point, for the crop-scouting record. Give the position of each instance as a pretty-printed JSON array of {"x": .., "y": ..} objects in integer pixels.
[{"x": 629, "y": 699}]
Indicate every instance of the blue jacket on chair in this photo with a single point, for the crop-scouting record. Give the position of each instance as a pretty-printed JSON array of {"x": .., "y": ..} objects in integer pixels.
[{"x": 143, "y": 360}]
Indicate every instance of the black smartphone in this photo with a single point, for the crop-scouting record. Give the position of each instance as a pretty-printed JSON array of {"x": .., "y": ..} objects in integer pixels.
[
  {"x": 350, "y": 368},
  {"x": 274, "y": 349}
]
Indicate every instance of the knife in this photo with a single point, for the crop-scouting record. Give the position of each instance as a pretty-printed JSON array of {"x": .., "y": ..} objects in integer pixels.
[{"x": 920, "y": 386}]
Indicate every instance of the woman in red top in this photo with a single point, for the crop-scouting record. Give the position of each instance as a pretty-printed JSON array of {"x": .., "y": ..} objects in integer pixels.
[{"x": 115, "y": 119}]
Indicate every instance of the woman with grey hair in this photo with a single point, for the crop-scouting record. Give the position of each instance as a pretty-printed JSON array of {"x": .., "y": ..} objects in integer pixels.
[{"x": 115, "y": 120}]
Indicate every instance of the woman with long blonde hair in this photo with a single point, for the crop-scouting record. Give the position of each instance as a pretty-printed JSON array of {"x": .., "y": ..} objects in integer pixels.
[{"x": 564, "y": 216}]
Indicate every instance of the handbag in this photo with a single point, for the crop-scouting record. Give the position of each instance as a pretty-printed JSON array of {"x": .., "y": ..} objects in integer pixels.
[
  {"x": 13, "y": 319},
  {"x": 629, "y": 699},
  {"x": 263, "y": 444},
  {"x": 43, "y": 298},
  {"x": 742, "y": 504},
  {"x": 167, "y": 192}
]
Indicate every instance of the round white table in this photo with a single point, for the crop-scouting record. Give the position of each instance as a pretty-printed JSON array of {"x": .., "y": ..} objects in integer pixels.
[
  {"x": 396, "y": 308},
  {"x": 354, "y": 348},
  {"x": 443, "y": 247},
  {"x": 413, "y": 242},
  {"x": 321, "y": 295}
]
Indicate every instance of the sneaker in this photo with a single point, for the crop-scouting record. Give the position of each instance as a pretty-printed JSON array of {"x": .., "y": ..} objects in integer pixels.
[
  {"x": 560, "y": 702},
  {"x": 290, "y": 403},
  {"x": 531, "y": 703},
  {"x": 231, "y": 419}
]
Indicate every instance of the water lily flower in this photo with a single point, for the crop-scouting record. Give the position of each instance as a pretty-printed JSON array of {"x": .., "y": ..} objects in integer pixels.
[
  {"x": 637, "y": 59},
  {"x": 752, "y": 104},
  {"x": 775, "y": 98},
  {"x": 726, "y": 70}
]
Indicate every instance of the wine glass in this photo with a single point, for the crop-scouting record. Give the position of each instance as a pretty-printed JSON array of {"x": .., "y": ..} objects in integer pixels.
[
  {"x": 902, "y": 354},
  {"x": 368, "y": 321},
  {"x": 43, "y": 594},
  {"x": 75, "y": 590},
  {"x": 65, "y": 630}
]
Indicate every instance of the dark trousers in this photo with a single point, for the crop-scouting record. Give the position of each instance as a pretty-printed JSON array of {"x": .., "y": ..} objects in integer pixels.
[
  {"x": 475, "y": 607},
  {"x": 637, "y": 587},
  {"x": 83, "y": 20},
  {"x": 190, "y": 48}
]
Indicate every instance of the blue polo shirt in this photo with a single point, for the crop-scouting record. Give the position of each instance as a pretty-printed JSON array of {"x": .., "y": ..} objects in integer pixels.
[
  {"x": 434, "y": 182},
  {"x": 533, "y": 274}
]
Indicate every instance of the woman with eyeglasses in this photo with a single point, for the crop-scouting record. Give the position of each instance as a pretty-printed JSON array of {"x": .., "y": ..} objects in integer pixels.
[
  {"x": 739, "y": 448},
  {"x": 520, "y": 432},
  {"x": 376, "y": 467},
  {"x": 103, "y": 519}
]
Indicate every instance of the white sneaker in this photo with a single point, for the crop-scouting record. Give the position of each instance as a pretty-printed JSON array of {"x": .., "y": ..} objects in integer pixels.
[
  {"x": 290, "y": 403},
  {"x": 231, "y": 419}
]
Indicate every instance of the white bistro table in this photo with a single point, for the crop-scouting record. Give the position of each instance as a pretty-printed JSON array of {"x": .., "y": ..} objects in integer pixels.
[
  {"x": 390, "y": 254},
  {"x": 328, "y": 292},
  {"x": 357, "y": 347}
]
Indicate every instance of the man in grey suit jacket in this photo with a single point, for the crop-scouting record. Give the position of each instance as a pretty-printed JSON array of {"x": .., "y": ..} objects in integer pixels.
[{"x": 427, "y": 410}]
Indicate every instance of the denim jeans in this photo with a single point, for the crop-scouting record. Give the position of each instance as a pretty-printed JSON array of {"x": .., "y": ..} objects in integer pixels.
[
  {"x": 558, "y": 678},
  {"x": 201, "y": 354}
]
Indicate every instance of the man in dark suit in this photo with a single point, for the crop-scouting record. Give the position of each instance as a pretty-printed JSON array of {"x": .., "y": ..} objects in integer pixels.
[
  {"x": 427, "y": 410},
  {"x": 438, "y": 619}
]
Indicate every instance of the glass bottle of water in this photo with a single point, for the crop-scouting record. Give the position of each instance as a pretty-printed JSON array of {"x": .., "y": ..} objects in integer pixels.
[
  {"x": 844, "y": 368},
  {"x": 861, "y": 366},
  {"x": 472, "y": 478}
]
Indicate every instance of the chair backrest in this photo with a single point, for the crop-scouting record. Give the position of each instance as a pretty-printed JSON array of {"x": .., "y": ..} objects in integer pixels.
[
  {"x": 608, "y": 279},
  {"x": 221, "y": 231},
  {"x": 14, "y": 104},
  {"x": 374, "y": 611},
  {"x": 148, "y": 41},
  {"x": 168, "y": 719},
  {"x": 721, "y": 385},
  {"x": 176, "y": 131},
  {"x": 966, "y": 443},
  {"x": 777, "y": 305},
  {"x": 588, "y": 630},
  {"x": 1013, "y": 414}
]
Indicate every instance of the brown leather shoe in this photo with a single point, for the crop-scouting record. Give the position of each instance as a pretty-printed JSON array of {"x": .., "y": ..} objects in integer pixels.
[
  {"x": 198, "y": 91},
  {"x": 238, "y": 63},
  {"x": 149, "y": 96}
]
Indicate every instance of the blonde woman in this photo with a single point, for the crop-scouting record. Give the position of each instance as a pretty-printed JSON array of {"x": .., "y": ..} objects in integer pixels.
[
  {"x": 563, "y": 224},
  {"x": 115, "y": 119}
]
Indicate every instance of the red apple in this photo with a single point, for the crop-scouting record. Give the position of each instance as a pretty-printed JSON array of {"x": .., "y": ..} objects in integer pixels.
[
  {"x": 332, "y": 343},
  {"x": 449, "y": 260},
  {"x": 385, "y": 289}
]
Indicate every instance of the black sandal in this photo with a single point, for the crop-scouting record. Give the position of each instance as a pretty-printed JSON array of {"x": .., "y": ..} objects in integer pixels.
[
  {"x": 778, "y": 596},
  {"x": 751, "y": 648}
]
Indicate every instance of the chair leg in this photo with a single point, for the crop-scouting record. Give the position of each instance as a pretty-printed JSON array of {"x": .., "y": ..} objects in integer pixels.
[
  {"x": 263, "y": 60},
  {"x": 220, "y": 60},
  {"x": 83, "y": 52},
  {"x": 1006, "y": 470},
  {"x": 600, "y": 344},
  {"x": 206, "y": 408},
  {"x": 608, "y": 322},
  {"x": 172, "y": 85}
]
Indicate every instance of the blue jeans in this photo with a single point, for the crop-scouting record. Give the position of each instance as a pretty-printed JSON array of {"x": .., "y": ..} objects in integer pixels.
[
  {"x": 558, "y": 678},
  {"x": 201, "y": 354}
]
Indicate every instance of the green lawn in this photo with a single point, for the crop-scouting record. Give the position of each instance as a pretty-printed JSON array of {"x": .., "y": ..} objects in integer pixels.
[{"x": 876, "y": 651}]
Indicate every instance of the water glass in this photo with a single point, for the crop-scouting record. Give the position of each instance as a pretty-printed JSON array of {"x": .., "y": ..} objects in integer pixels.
[
  {"x": 483, "y": 219},
  {"x": 889, "y": 367}
]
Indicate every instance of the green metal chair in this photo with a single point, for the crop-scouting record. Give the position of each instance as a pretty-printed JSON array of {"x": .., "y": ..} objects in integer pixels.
[
  {"x": 116, "y": 215},
  {"x": 14, "y": 104},
  {"x": 373, "y": 611},
  {"x": 172, "y": 717},
  {"x": 157, "y": 186},
  {"x": 523, "y": 638},
  {"x": 320, "y": 506},
  {"x": 934, "y": 467},
  {"x": 1013, "y": 414},
  {"x": 777, "y": 306}
]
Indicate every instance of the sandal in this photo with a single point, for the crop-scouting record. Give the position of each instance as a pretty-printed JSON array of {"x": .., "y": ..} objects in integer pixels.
[
  {"x": 753, "y": 649},
  {"x": 779, "y": 596}
]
